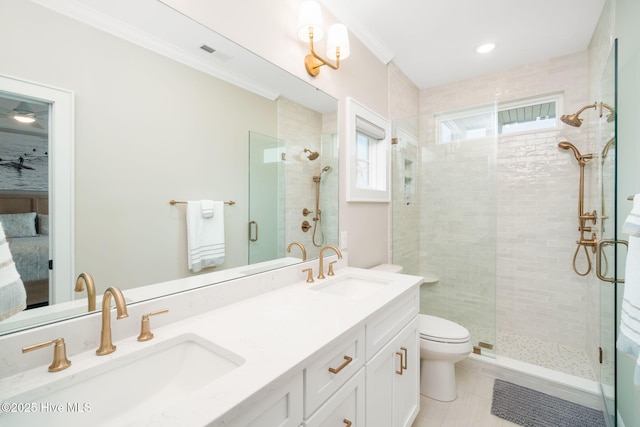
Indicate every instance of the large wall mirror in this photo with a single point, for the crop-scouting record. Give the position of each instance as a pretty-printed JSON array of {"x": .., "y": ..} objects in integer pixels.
[{"x": 158, "y": 117}]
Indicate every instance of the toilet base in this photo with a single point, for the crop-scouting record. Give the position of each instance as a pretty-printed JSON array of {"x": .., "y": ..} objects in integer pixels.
[{"x": 438, "y": 380}]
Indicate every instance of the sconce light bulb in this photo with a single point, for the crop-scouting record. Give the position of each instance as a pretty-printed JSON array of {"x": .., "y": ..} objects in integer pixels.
[
  {"x": 338, "y": 42},
  {"x": 310, "y": 21}
]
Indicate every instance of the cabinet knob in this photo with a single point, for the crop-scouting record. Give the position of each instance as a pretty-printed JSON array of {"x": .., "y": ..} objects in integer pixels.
[
  {"x": 403, "y": 360},
  {"x": 406, "y": 357},
  {"x": 399, "y": 371},
  {"x": 347, "y": 360},
  {"x": 347, "y": 422}
]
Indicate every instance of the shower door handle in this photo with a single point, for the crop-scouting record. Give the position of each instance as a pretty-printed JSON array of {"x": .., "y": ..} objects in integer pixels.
[
  {"x": 600, "y": 244},
  {"x": 255, "y": 224}
]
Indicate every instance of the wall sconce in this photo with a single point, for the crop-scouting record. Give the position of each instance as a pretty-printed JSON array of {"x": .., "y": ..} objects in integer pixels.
[{"x": 310, "y": 30}]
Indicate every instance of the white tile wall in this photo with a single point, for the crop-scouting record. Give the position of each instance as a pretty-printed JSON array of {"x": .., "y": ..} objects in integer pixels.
[
  {"x": 299, "y": 128},
  {"x": 404, "y": 107},
  {"x": 505, "y": 211}
]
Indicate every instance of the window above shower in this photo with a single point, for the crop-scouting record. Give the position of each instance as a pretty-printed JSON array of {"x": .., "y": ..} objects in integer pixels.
[{"x": 525, "y": 115}]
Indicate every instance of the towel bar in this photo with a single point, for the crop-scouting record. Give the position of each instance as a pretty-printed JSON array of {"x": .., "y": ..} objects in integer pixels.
[{"x": 174, "y": 202}]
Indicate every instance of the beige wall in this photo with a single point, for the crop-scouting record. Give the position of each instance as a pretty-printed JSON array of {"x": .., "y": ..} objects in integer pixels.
[{"x": 148, "y": 130}]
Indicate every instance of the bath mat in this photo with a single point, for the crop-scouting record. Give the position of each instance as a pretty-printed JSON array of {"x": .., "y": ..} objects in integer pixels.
[{"x": 532, "y": 408}]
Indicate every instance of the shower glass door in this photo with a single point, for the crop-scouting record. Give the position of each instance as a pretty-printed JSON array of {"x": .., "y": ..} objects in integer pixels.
[
  {"x": 606, "y": 138},
  {"x": 444, "y": 216},
  {"x": 266, "y": 198}
]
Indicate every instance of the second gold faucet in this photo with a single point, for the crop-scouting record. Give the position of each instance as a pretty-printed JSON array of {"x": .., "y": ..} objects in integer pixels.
[{"x": 106, "y": 344}]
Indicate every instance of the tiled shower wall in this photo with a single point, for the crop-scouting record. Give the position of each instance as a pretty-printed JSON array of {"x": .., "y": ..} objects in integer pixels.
[
  {"x": 404, "y": 108},
  {"x": 506, "y": 206},
  {"x": 299, "y": 128}
]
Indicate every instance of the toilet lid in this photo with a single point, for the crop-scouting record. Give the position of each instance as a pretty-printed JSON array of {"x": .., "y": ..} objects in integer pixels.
[{"x": 442, "y": 330}]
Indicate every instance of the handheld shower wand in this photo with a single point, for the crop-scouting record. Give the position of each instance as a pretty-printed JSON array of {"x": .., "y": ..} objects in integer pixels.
[
  {"x": 317, "y": 221},
  {"x": 583, "y": 217}
]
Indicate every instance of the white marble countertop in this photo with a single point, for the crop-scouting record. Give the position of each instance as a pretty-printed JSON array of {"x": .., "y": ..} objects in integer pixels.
[{"x": 276, "y": 334}]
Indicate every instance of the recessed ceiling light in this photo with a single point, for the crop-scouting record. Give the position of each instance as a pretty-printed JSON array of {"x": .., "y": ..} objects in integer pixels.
[{"x": 486, "y": 48}]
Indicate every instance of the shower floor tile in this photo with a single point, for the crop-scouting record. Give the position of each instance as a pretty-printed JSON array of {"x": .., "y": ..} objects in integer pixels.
[
  {"x": 561, "y": 358},
  {"x": 550, "y": 355}
]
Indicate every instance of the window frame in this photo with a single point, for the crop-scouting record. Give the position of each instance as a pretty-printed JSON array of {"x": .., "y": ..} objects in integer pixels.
[
  {"x": 494, "y": 109},
  {"x": 379, "y": 188}
]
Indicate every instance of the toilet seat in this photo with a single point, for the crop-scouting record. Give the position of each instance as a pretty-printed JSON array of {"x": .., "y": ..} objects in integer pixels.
[{"x": 437, "y": 329}]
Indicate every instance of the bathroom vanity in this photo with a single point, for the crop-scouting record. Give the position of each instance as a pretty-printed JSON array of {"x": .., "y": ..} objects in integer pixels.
[{"x": 274, "y": 350}]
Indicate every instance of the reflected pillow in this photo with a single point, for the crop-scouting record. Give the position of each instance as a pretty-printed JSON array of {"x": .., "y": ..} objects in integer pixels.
[
  {"x": 43, "y": 224},
  {"x": 19, "y": 225}
]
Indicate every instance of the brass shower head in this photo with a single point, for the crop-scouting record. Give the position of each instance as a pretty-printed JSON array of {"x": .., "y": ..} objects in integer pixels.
[
  {"x": 312, "y": 154},
  {"x": 574, "y": 119}
]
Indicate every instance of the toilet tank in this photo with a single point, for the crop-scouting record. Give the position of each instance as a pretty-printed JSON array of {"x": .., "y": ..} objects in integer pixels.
[{"x": 390, "y": 268}]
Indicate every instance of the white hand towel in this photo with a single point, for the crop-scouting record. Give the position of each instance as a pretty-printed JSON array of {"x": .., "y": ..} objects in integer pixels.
[
  {"x": 205, "y": 236},
  {"x": 13, "y": 297},
  {"x": 629, "y": 338},
  {"x": 207, "y": 208}
]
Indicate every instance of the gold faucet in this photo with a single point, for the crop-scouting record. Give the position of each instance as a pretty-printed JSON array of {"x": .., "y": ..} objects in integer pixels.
[
  {"x": 85, "y": 278},
  {"x": 106, "y": 345},
  {"x": 321, "y": 258},
  {"x": 301, "y": 246}
]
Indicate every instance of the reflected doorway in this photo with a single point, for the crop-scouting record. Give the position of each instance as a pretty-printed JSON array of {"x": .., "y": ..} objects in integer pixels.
[
  {"x": 39, "y": 183},
  {"x": 24, "y": 191}
]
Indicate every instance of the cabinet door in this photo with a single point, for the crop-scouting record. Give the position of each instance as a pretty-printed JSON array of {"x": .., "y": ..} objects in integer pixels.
[
  {"x": 278, "y": 407},
  {"x": 407, "y": 385},
  {"x": 345, "y": 408},
  {"x": 393, "y": 376}
]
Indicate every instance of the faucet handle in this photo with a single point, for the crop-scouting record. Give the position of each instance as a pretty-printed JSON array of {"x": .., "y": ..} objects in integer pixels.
[
  {"x": 60, "y": 360},
  {"x": 331, "y": 273},
  {"x": 145, "y": 327},
  {"x": 309, "y": 272}
]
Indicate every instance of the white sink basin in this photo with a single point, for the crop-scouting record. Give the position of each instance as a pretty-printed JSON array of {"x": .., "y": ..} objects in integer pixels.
[
  {"x": 352, "y": 287},
  {"x": 124, "y": 389}
]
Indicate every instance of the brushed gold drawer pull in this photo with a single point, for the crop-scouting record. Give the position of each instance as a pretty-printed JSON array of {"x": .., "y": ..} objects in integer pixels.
[
  {"x": 347, "y": 360},
  {"x": 399, "y": 372},
  {"x": 347, "y": 422},
  {"x": 406, "y": 357}
]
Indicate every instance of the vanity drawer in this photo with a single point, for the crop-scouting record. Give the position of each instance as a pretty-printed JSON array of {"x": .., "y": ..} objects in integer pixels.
[
  {"x": 345, "y": 408},
  {"x": 328, "y": 372},
  {"x": 386, "y": 324}
]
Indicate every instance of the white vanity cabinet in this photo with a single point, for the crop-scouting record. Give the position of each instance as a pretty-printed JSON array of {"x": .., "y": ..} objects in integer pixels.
[
  {"x": 393, "y": 372},
  {"x": 345, "y": 408},
  {"x": 393, "y": 375},
  {"x": 280, "y": 407}
]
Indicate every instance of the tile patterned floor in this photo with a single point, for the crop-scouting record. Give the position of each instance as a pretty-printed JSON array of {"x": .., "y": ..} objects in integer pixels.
[
  {"x": 473, "y": 405},
  {"x": 471, "y": 408}
]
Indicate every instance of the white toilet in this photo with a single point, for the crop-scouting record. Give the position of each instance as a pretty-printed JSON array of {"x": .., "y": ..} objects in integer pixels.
[{"x": 443, "y": 343}]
